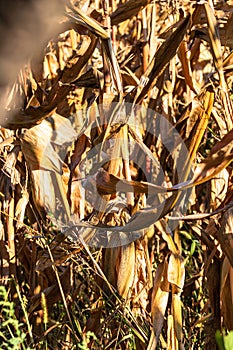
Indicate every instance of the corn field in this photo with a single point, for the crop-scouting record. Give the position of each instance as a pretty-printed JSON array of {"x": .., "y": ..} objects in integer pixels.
[{"x": 116, "y": 201}]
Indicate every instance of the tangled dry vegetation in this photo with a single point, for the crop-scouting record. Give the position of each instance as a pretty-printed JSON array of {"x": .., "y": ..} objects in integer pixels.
[{"x": 172, "y": 287}]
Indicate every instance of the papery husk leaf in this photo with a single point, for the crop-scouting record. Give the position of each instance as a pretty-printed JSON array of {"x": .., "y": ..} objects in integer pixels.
[
  {"x": 219, "y": 188},
  {"x": 172, "y": 343},
  {"x": 161, "y": 225},
  {"x": 111, "y": 256},
  {"x": 21, "y": 208},
  {"x": 125, "y": 269},
  {"x": 49, "y": 196},
  {"x": 176, "y": 271},
  {"x": 159, "y": 301},
  {"x": 9, "y": 166},
  {"x": 177, "y": 317},
  {"x": 39, "y": 149},
  {"x": 143, "y": 280}
]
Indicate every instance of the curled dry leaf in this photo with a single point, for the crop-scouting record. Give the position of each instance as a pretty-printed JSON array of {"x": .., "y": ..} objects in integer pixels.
[{"x": 108, "y": 184}]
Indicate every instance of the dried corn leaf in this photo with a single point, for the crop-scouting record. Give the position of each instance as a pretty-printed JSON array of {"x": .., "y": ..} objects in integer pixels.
[
  {"x": 186, "y": 67},
  {"x": 161, "y": 58},
  {"x": 199, "y": 128},
  {"x": 196, "y": 14},
  {"x": 71, "y": 72},
  {"x": 127, "y": 10},
  {"x": 91, "y": 79},
  {"x": 217, "y": 55},
  {"x": 70, "y": 85},
  {"x": 215, "y": 41},
  {"x": 19, "y": 118},
  {"x": 192, "y": 143},
  {"x": 96, "y": 29},
  {"x": 111, "y": 256},
  {"x": 109, "y": 184},
  {"x": 90, "y": 23},
  {"x": 220, "y": 157},
  {"x": 201, "y": 216}
]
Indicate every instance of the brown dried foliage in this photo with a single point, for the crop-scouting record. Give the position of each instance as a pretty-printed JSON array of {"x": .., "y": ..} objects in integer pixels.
[{"x": 166, "y": 289}]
